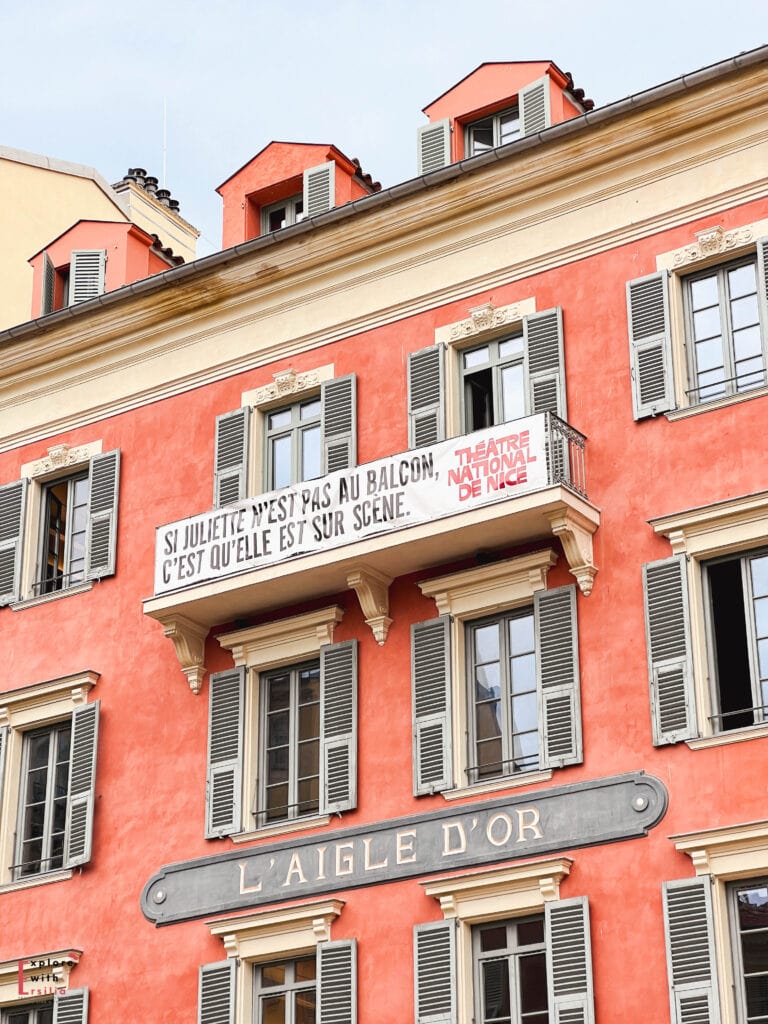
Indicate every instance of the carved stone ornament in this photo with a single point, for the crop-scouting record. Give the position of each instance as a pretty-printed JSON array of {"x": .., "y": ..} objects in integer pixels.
[
  {"x": 372, "y": 589},
  {"x": 712, "y": 242},
  {"x": 60, "y": 456},
  {"x": 485, "y": 318},
  {"x": 189, "y": 642},
  {"x": 286, "y": 383},
  {"x": 575, "y": 533}
]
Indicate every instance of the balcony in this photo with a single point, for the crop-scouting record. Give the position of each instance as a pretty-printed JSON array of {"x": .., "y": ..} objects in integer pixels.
[{"x": 361, "y": 528}]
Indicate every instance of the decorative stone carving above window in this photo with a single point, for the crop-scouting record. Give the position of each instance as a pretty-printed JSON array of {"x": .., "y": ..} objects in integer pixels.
[
  {"x": 711, "y": 242},
  {"x": 60, "y": 457},
  {"x": 484, "y": 319},
  {"x": 288, "y": 383}
]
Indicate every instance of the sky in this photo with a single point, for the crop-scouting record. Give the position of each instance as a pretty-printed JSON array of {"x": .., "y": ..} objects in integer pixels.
[{"x": 89, "y": 81}]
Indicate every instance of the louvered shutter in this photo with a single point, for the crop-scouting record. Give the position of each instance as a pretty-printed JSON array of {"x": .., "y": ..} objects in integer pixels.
[
  {"x": 71, "y": 1008},
  {"x": 762, "y": 286},
  {"x": 87, "y": 272},
  {"x": 534, "y": 107},
  {"x": 82, "y": 785},
  {"x": 337, "y": 982},
  {"x": 650, "y": 345},
  {"x": 13, "y": 504},
  {"x": 544, "y": 362},
  {"x": 101, "y": 538},
  {"x": 339, "y": 423},
  {"x": 319, "y": 189},
  {"x": 569, "y": 961},
  {"x": 426, "y": 396},
  {"x": 691, "y": 961},
  {"x": 230, "y": 460},
  {"x": 49, "y": 283},
  {"x": 431, "y": 696},
  {"x": 223, "y": 793},
  {"x": 434, "y": 146},
  {"x": 434, "y": 954},
  {"x": 216, "y": 993},
  {"x": 3, "y": 749},
  {"x": 338, "y": 727},
  {"x": 668, "y": 640},
  {"x": 557, "y": 672}
]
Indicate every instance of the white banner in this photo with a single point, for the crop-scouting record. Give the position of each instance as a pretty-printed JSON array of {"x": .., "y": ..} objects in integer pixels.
[{"x": 403, "y": 490}]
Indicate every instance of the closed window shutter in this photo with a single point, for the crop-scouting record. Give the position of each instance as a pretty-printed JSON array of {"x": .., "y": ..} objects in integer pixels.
[
  {"x": 534, "y": 106},
  {"x": 434, "y": 954},
  {"x": 426, "y": 396},
  {"x": 691, "y": 962},
  {"x": 216, "y": 993},
  {"x": 49, "y": 282},
  {"x": 339, "y": 423},
  {"x": 223, "y": 792},
  {"x": 12, "y": 507},
  {"x": 319, "y": 188},
  {"x": 230, "y": 460},
  {"x": 86, "y": 274},
  {"x": 431, "y": 693},
  {"x": 71, "y": 1008},
  {"x": 650, "y": 345},
  {"x": 557, "y": 671},
  {"x": 337, "y": 982},
  {"x": 103, "y": 490},
  {"x": 82, "y": 785},
  {"x": 569, "y": 961},
  {"x": 668, "y": 639},
  {"x": 3, "y": 748},
  {"x": 338, "y": 727},
  {"x": 434, "y": 146}
]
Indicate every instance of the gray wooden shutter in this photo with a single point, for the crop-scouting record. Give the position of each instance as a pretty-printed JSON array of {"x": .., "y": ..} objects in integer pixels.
[
  {"x": 762, "y": 286},
  {"x": 87, "y": 272},
  {"x": 434, "y": 146},
  {"x": 668, "y": 640},
  {"x": 431, "y": 695},
  {"x": 337, "y": 982},
  {"x": 434, "y": 955},
  {"x": 101, "y": 539},
  {"x": 557, "y": 677},
  {"x": 3, "y": 749},
  {"x": 71, "y": 1008},
  {"x": 426, "y": 396},
  {"x": 338, "y": 727},
  {"x": 230, "y": 460},
  {"x": 319, "y": 189},
  {"x": 49, "y": 284},
  {"x": 691, "y": 961},
  {"x": 216, "y": 993},
  {"x": 569, "y": 961},
  {"x": 544, "y": 362},
  {"x": 339, "y": 423},
  {"x": 13, "y": 505},
  {"x": 223, "y": 791},
  {"x": 82, "y": 785},
  {"x": 650, "y": 345},
  {"x": 535, "y": 107}
]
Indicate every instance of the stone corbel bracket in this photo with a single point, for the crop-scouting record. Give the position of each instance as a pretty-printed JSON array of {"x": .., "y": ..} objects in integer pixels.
[
  {"x": 188, "y": 639},
  {"x": 575, "y": 532},
  {"x": 372, "y": 589}
]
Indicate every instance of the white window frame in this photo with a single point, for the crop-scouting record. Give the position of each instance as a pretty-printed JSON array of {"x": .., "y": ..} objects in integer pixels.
[
  {"x": 495, "y": 119},
  {"x": 295, "y": 430},
  {"x": 289, "y": 204}
]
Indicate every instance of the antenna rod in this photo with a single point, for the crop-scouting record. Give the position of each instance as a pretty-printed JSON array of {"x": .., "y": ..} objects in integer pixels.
[{"x": 165, "y": 138}]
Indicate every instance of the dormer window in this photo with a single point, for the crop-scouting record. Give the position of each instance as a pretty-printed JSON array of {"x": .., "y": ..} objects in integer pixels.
[
  {"x": 283, "y": 214},
  {"x": 491, "y": 132}
]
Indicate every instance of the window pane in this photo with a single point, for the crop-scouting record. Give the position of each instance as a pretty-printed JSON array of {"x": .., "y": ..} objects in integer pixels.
[
  {"x": 753, "y": 907},
  {"x": 533, "y": 983},
  {"x": 478, "y": 400},
  {"x": 488, "y": 681},
  {"x": 521, "y": 634},
  {"x": 309, "y": 721},
  {"x": 481, "y": 137},
  {"x": 38, "y": 750},
  {"x": 309, "y": 685},
  {"x": 523, "y": 673},
  {"x": 511, "y": 346},
  {"x": 747, "y": 345},
  {"x": 306, "y": 968},
  {"x": 477, "y": 357},
  {"x": 309, "y": 757},
  {"x": 754, "y": 947},
  {"x": 278, "y": 729},
  {"x": 742, "y": 280},
  {"x": 273, "y": 1010},
  {"x": 310, "y": 410},
  {"x": 489, "y": 758},
  {"x": 277, "y": 802},
  {"x": 277, "y": 765},
  {"x": 496, "y": 990},
  {"x": 305, "y": 1008},
  {"x": 709, "y": 354},
  {"x": 757, "y": 996},
  {"x": 759, "y": 572},
  {"x": 706, "y": 323},
  {"x": 704, "y": 292},
  {"x": 281, "y": 461},
  {"x": 509, "y": 127},
  {"x": 525, "y": 713},
  {"x": 530, "y": 932},
  {"x": 272, "y": 974},
  {"x": 494, "y": 937},
  {"x": 488, "y": 720},
  {"x": 487, "y": 643},
  {"x": 280, "y": 420},
  {"x": 513, "y": 392},
  {"x": 744, "y": 312},
  {"x": 279, "y": 692},
  {"x": 309, "y": 794},
  {"x": 278, "y": 218},
  {"x": 310, "y": 453},
  {"x": 525, "y": 749}
]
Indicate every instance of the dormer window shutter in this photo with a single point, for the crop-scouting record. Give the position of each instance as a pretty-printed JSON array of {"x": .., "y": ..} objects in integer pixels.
[
  {"x": 434, "y": 146},
  {"x": 319, "y": 189},
  {"x": 49, "y": 282},
  {"x": 87, "y": 273},
  {"x": 533, "y": 100}
]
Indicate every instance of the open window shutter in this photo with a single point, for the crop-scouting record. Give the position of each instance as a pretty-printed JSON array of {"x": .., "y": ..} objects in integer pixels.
[
  {"x": 3, "y": 749},
  {"x": 230, "y": 461},
  {"x": 426, "y": 396},
  {"x": 216, "y": 993},
  {"x": 337, "y": 982},
  {"x": 338, "y": 727},
  {"x": 431, "y": 692},
  {"x": 650, "y": 345},
  {"x": 82, "y": 784},
  {"x": 545, "y": 363},
  {"x": 691, "y": 962},
  {"x": 339, "y": 423},
  {"x": 319, "y": 189},
  {"x": 534, "y": 106},
  {"x": 86, "y": 274},
  {"x": 49, "y": 281},
  {"x": 71, "y": 1008},
  {"x": 101, "y": 540},
  {"x": 434, "y": 146},
  {"x": 434, "y": 954},
  {"x": 569, "y": 961},
  {"x": 223, "y": 791},
  {"x": 557, "y": 671},
  {"x": 762, "y": 286},
  {"x": 668, "y": 639},
  {"x": 12, "y": 506}
]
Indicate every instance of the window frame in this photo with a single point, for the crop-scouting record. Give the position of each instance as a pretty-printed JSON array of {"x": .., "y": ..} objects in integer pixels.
[
  {"x": 44, "y": 584},
  {"x": 495, "y": 119},
  {"x": 512, "y": 956},
  {"x": 296, "y": 430},
  {"x": 8, "y": 1015},
  {"x": 496, "y": 364},
  {"x": 52, "y": 730},
  {"x": 290, "y": 988},
  {"x": 737, "y": 952},
  {"x": 290, "y": 204}
]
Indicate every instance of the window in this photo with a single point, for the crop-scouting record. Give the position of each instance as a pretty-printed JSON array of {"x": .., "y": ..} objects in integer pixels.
[
  {"x": 65, "y": 521},
  {"x": 43, "y": 800},
  {"x": 293, "y": 444},
  {"x": 510, "y": 972},
  {"x": 491, "y": 132},
  {"x": 41, "y": 1014},
  {"x": 493, "y": 377},
  {"x": 282, "y": 214},
  {"x": 749, "y": 915},
  {"x": 286, "y": 991}
]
